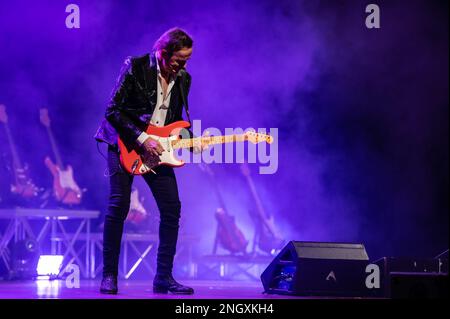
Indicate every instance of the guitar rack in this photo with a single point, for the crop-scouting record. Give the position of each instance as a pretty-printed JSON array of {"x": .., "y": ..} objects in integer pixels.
[
  {"x": 235, "y": 267},
  {"x": 52, "y": 231}
]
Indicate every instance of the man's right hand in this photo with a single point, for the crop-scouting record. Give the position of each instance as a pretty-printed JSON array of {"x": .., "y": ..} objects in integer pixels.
[{"x": 152, "y": 147}]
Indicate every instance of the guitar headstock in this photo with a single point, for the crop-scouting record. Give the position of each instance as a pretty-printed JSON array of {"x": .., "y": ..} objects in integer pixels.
[
  {"x": 3, "y": 115},
  {"x": 44, "y": 118},
  {"x": 255, "y": 137}
]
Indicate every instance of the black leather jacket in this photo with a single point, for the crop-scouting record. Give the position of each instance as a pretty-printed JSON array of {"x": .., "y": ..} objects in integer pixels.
[{"x": 133, "y": 101}]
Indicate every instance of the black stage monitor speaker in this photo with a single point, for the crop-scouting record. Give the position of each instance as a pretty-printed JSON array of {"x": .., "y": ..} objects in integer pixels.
[
  {"x": 403, "y": 277},
  {"x": 318, "y": 269}
]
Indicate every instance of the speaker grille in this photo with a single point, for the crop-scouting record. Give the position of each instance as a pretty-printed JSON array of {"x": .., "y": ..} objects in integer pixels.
[{"x": 316, "y": 250}]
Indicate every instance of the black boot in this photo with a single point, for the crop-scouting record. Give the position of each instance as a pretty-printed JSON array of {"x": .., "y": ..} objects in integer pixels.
[
  {"x": 109, "y": 285},
  {"x": 163, "y": 284}
]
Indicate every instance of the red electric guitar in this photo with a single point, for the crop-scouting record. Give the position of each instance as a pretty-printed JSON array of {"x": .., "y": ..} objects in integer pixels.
[
  {"x": 137, "y": 213},
  {"x": 23, "y": 185},
  {"x": 168, "y": 137},
  {"x": 65, "y": 188}
]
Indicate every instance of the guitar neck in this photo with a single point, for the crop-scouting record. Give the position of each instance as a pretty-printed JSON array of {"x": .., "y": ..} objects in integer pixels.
[
  {"x": 54, "y": 148},
  {"x": 222, "y": 139},
  {"x": 260, "y": 208},
  {"x": 15, "y": 156},
  {"x": 259, "y": 204}
]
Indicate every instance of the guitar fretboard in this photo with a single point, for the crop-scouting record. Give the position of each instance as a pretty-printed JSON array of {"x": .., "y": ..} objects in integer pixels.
[
  {"x": 54, "y": 148},
  {"x": 197, "y": 141},
  {"x": 15, "y": 156}
]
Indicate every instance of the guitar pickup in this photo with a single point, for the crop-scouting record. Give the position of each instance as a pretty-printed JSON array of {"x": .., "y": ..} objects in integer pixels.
[{"x": 135, "y": 164}]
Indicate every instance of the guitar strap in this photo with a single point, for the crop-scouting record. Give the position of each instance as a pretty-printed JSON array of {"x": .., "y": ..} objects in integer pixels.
[{"x": 183, "y": 83}]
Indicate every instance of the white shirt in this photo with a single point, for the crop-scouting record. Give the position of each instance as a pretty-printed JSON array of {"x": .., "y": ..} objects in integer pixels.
[{"x": 162, "y": 102}]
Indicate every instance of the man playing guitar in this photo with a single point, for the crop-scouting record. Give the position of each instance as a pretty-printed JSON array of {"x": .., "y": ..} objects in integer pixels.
[{"x": 151, "y": 89}]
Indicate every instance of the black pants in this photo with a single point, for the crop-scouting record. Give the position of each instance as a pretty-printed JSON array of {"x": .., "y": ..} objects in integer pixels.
[{"x": 164, "y": 188}]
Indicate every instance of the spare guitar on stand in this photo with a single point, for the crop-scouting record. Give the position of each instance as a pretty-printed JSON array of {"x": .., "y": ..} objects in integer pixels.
[
  {"x": 22, "y": 186},
  {"x": 137, "y": 213},
  {"x": 65, "y": 189},
  {"x": 266, "y": 235},
  {"x": 227, "y": 234}
]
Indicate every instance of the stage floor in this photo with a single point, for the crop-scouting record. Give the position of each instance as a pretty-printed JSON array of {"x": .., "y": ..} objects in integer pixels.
[{"x": 132, "y": 289}]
